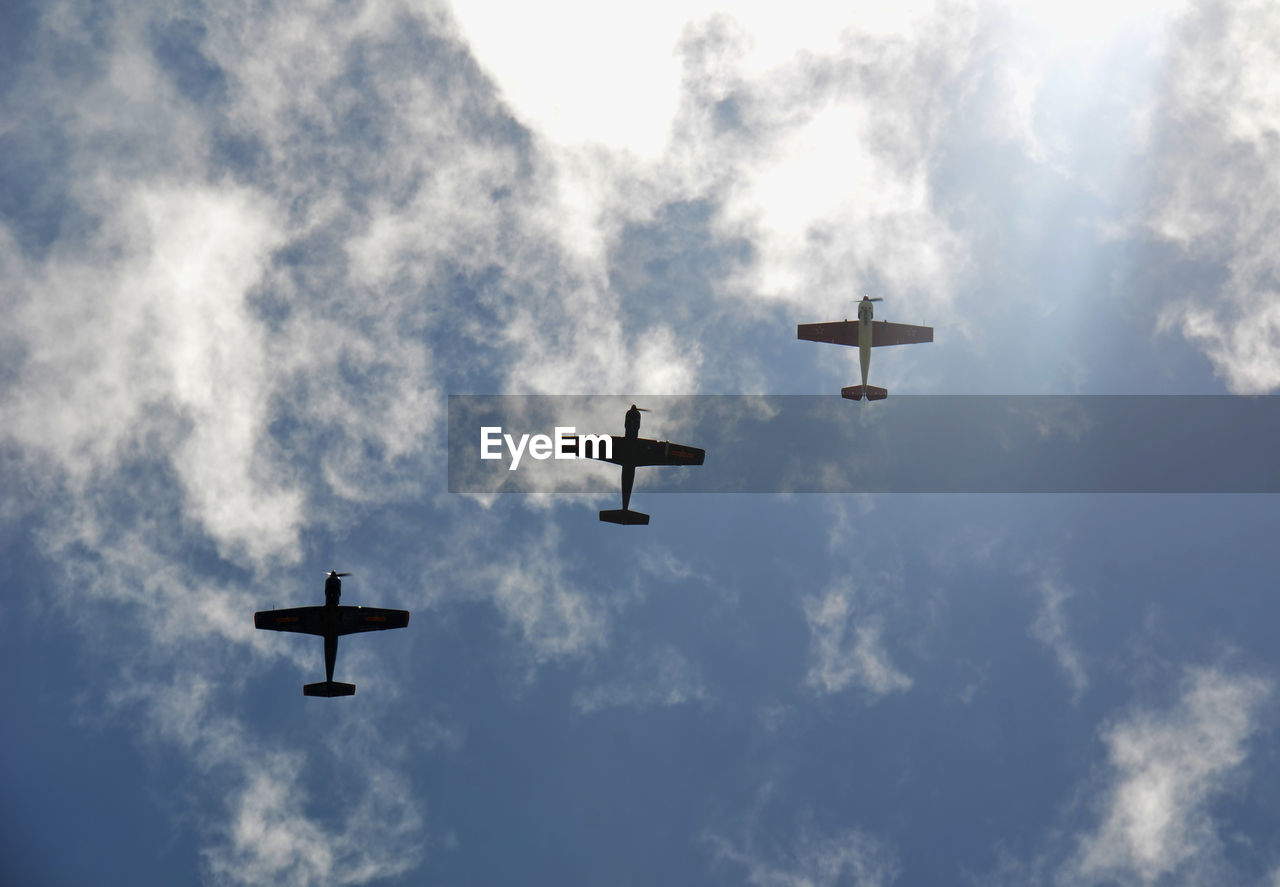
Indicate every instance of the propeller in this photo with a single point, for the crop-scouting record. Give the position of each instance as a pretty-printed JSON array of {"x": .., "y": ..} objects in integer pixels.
[
  {"x": 641, "y": 409},
  {"x": 872, "y": 299},
  {"x": 336, "y": 573}
]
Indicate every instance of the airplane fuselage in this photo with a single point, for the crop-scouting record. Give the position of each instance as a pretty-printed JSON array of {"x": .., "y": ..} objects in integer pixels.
[
  {"x": 631, "y": 428},
  {"x": 865, "y": 314},
  {"x": 331, "y": 620}
]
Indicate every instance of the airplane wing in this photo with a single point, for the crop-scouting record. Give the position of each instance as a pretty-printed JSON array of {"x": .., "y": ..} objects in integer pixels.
[
  {"x": 301, "y": 619},
  {"x": 641, "y": 451},
  {"x": 885, "y": 333},
  {"x": 356, "y": 619},
  {"x": 845, "y": 332},
  {"x": 663, "y": 452},
  {"x": 839, "y": 332}
]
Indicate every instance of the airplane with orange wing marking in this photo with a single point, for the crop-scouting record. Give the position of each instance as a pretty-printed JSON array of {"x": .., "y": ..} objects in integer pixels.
[
  {"x": 865, "y": 334},
  {"x": 632, "y": 451},
  {"x": 329, "y": 622}
]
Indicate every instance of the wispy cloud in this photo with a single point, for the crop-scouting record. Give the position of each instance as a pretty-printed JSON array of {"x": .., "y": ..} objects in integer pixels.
[
  {"x": 852, "y": 857},
  {"x": 258, "y": 243},
  {"x": 145, "y": 341},
  {"x": 270, "y": 839},
  {"x": 1165, "y": 768},
  {"x": 554, "y": 614},
  {"x": 1219, "y": 113},
  {"x": 817, "y": 133},
  {"x": 272, "y": 832},
  {"x": 846, "y": 647},
  {"x": 784, "y": 122},
  {"x": 236, "y": 337},
  {"x": 663, "y": 677},
  {"x": 181, "y": 651},
  {"x": 1050, "y": 628}
]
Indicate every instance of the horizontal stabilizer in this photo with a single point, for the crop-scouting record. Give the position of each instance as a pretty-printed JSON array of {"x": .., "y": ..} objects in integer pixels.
[
  {"x": 624, "y": 516},
  {"x": 329, "y": 688},
  {"x": 857, "y": 392}
]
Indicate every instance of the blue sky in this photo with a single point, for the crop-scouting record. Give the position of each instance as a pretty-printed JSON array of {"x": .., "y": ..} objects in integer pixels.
[{"x": 251, "y": 248}]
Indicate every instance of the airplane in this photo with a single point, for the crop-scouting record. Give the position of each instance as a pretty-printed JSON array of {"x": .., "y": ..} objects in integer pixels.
[
  {"x": 329, "y": 622},
  {"x": 866, "y": 335},
  {"x": 632, "y": 451}
]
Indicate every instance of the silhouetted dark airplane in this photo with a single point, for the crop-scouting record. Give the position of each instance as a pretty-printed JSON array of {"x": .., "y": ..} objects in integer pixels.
[
  {"x": 865, "y": 334},
  {"x": 633, "y": 451},
  {"x": 330, "y": 621}
]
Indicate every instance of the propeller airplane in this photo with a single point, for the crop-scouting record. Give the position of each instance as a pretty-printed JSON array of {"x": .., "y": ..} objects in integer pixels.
[
  {"x": 632, "y": 451},
  {"x": 330, "y": 621},
  {"x": 865, "y": 334}
]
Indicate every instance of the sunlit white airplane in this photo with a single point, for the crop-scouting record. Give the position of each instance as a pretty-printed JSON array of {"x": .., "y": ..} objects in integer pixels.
[{"x": 866, "y": 335}]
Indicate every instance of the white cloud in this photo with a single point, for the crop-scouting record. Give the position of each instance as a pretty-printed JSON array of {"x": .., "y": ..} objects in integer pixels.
[
  {"x": 846, "y": 647},
  {"x": 271, "y": 840},
  {"x": 149, "y": 332},
  {"x": 837, "y": 115},
  {"x": 1050, "y": 628},
  {"x": 664, "y": 677},
  {"x": 267, "y": 340},
  {"x": 215, "y": 358},
  {"x": 851, "y": 858},
  {"x": 826, "y": 166},
  {"x": 202, "y": 311},
  {"x": 825, "y": 198},
  {"x": 273, "y": 833},
  {"x": 1212, "y": 191},
  {"x": 578, "y": 74},
  {"x": 534, "y": 588},
  {"x": 1166, "y": 767}
]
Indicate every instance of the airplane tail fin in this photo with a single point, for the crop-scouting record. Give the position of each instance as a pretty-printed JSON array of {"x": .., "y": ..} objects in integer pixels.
[
  {"x": 871, "y": 392},
  {"x": 329, "y": 688},
  {"x": 624, "y": 516}
]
